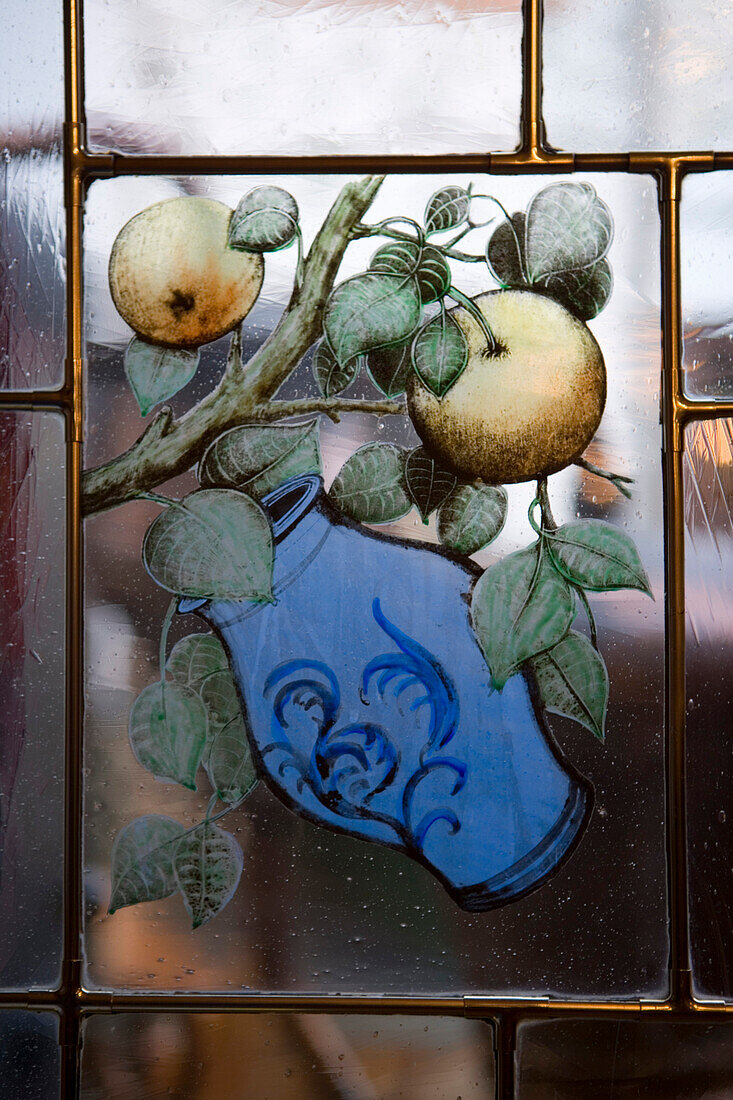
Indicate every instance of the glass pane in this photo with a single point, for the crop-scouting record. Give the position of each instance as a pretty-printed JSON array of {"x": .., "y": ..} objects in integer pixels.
[
  {"x": 637, "y": 74},
  {"x": 709, "y": 568},
  {"x": 31, "y": 198},
  {"x": 653, "y": 1060},
  {"x": 30, "y": 1062},
  {"x": 195, "y": 1057},
  {"x": 431, "y": 907},
  {"x": 707, "y": 267},
  {"x": 32, "y": 571},
  {"x": 364, "y": 76}
]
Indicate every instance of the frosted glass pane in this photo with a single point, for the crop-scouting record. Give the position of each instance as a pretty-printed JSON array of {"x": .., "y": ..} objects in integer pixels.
[
  {"x": 315, "y": 908},
  {"x": 31, "y": 198},
  {"x": 292, "y": 1057},
  {"x": 709, "y": 569},
  {"x": 653, "y": 1060},
  {"x": 30, "y": 1057},
  {"x": 31, "y": 697},
  {"x": 637, "y": 74},
  {"x": 707, "y": 268},
  {"x": 358, "y": 76},
  {"x": 32, "y": 80}
]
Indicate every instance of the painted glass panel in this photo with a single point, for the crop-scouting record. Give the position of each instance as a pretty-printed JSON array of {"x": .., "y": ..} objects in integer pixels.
[
  {"x": 32, "y": 571},
  {"x": 653, "y": 1060},
  {"x": 293, "y": 1057},
  {"x": 30, "y": 1062},
  {"x": 707, "y": 269},
  {"x": 31, "y": 198},
  {"x": 326, "y": 77},
  {"x": 351, "y": 654},
  {"x": 637, "y": 74},
  {"x": 709, "y": 560}
]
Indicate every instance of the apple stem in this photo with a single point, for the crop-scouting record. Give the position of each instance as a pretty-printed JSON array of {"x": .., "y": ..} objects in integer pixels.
[
  {"x": 543, "y": 497},
  {"x": 458, "y": 296}
]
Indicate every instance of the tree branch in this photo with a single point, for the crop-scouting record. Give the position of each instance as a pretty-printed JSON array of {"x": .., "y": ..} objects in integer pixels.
[
  {"x": 169, "y": 447},
  {"x": 331, "y": 406}
]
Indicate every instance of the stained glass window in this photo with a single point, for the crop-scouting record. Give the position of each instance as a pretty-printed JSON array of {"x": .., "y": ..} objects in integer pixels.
[{"x": 365, "y": 514}]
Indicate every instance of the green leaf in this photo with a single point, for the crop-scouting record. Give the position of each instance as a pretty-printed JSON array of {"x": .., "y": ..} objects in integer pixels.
[
  {"x": 208, "y": 864},
  {"x": 156, "y": 373},
  {"x": 447, "y": 209},
  {"x": 440, "y": 353},
  {"x": 371, "y": 487},
  {"x": 472, "y": 517},
  {"x": 333, "y": 377},
  {"x": 596, "y": 555},
  {"x": 407, "y": 258},
  {"x": 390, "y": 368},
  {"x": 142, "y": 861},
  {"x": 214, "y": 544},
  {"x": 520, "y": 607},
  {"x": 584, "y": 292},
  {"x": 194, "y": 658},
  {"x": 266, "y": 219},
  {"x": 573, "y": 681},
  {"x": 227, "y": 757},
  {"x": 568, "y": 227},
  {"x": 371, "y": 311},
  {"x": 427, "y": 484},
  {"x": 503, "y": 251},
  {"x": 256, "y": 458},
  {"x": 167, "y": 730}
]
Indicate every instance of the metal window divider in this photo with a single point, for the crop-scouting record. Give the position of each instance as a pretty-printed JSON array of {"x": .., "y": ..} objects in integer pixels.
[{"x": 71, "y": 1000}]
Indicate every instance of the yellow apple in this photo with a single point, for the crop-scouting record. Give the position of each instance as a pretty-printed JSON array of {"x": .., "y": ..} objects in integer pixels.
[
  {"x": 526, "y": 411},
  {"x": 173, "y": 277}
]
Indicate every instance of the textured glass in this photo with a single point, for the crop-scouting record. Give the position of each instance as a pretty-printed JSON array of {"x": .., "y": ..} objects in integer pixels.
[
  {"x": 637, "y": 74},
  {"x": 32, "y": 561},
  {"x": 291, "y": 1057},
  {"x": 31, "y": 198},
  {"x": 707, "y": 269},
  {"x": 356, "y": 76},
  {"x": 708, "y": 573},
  {"x": 653, "y": 1060},
  {"x": 30, "y": 1056},
  {"x": 315, "y": 909}
]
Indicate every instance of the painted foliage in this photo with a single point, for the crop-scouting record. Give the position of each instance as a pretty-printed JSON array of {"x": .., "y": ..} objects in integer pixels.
[{"x": 381, "y": 687}]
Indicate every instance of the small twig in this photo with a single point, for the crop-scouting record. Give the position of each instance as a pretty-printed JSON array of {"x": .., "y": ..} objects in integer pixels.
[
  {"x": 619, "y": 481},
  {"x": 360, "y": 231},
  {"x": 234, "y": 355},
  {"x": 331, "y": 406}
]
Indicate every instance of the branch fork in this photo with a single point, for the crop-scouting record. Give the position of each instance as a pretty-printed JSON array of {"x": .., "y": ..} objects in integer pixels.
[{"x": 169, "y": 447}]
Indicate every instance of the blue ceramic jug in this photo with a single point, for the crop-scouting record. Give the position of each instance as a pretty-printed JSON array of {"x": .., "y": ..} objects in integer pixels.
[{"x": 370, "y": 708}]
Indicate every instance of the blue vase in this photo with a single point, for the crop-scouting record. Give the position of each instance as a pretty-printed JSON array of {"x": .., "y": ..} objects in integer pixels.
[{"x": 370, "y": 709}]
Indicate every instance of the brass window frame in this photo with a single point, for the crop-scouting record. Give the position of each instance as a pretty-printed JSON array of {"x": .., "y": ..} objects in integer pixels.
[{"x": 71, "y": 1001}]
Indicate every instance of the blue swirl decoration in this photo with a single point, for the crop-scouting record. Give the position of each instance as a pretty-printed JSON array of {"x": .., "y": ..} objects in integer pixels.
[{"x": 347, "y": 767}]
